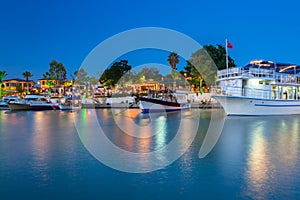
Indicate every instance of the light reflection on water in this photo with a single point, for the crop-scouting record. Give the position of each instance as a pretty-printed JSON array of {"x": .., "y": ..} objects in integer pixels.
[
  {"x": 270, "y": 146},
  {"x": 159, "y": 142},
  {"x": 255, "y": 157},
  {"x": 41, "y": 146}
]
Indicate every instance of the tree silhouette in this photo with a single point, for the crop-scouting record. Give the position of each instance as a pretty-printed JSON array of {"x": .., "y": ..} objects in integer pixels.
[
  {"x": 3, "y": 74},
  {"x": 112, "y": 75},
  {"x": 56, "y": 72},
  {"x": 27, "y": 75},
  {"x": 173, "y": 60}
]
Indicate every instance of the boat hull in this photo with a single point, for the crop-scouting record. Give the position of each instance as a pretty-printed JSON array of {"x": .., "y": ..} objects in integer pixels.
[
  {"x": 4, "y": 106},
  {"x": 252, "y": 106},
  {"x": 69, "y": 107},
  {"x": 155, "y": 105},
  {"x": 28, "y": 106},
  {"x": 19, "y": 106},
  {"x": 48, "y": 106}
]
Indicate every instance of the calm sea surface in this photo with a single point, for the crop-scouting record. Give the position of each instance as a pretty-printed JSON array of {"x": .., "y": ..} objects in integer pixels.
[{"x": 42, "y": 157}]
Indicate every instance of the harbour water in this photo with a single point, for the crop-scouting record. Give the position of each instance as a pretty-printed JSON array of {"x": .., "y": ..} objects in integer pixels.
[{"x": 42, "y": 157}]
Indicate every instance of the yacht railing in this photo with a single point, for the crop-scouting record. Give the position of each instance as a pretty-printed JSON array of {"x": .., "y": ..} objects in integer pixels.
[
  {"x": 256, "y": 93},
  {"x": 244, "y": 92},
  {"x": 287, "y": 78},
  {"x": 279, "y": 78}
]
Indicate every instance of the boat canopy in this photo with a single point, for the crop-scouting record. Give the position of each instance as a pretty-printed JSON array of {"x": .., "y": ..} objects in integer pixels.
[
  {"x": 35, "y": 97},
  {"x": 277, "y": 67}
]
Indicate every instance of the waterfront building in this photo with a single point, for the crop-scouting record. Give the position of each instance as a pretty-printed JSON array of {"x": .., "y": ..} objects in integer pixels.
[
  {"x": 17, "y": 84},
  {"x": 47, "y": 85}
]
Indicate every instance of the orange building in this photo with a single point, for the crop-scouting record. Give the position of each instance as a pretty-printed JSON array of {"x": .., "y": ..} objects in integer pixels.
[
  {"x": 46, "y": 83},
  {"x": 11, "y": 85}
]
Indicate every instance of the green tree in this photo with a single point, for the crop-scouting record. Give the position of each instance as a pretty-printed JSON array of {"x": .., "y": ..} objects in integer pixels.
[
  {"x": 56, "y": 72},
  {"x": 218, "y": 55},
  {"x": 130, "y": 77},
  {"x": 204, "y": 63},
  {"x": 27, "y": 75},
  {"x": 80, "y": 76},
  {"x": 3, "y": 74},
  {"x": 192, "y": 75},
  {"x": 112, "y": 75},
  {"x": 173, "y": 60},
  {"x": 150, "y": 74},
  {"x": 93, "y": 80}
]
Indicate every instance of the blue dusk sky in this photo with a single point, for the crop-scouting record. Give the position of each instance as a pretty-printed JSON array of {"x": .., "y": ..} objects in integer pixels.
[{"x": 34, "y": 32}]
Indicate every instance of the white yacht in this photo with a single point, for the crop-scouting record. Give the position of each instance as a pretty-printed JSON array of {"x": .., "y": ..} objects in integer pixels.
[
  {"x": 33, "y": 102},
  {"x": 4, "y": 102},
  {"x": 259, "y": 88}
]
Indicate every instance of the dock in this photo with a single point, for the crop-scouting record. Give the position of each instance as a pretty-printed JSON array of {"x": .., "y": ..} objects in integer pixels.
[
  {"x": 135, "y": 106},
  {"x": 205, "y": 105}
]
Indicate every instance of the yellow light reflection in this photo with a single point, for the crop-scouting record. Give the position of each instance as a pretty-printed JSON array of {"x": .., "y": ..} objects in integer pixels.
[
  {"x": 287, "y": 144},
  {"x": 160, "y": 138},
  {"x": 41, "y": 143},
  {"x": 258, "y": 161},
  {"x": 133, "y": 113},
  {"x": 273, "y": 153}
]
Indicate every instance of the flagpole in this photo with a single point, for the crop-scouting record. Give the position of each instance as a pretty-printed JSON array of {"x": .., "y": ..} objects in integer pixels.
[{"x": 226, "y": 58}]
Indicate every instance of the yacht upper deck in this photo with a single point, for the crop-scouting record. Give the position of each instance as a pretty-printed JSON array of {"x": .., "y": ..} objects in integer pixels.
[{"x": 267, "y": 70}]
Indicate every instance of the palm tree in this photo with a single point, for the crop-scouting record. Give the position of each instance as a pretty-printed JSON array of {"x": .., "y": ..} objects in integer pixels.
[
  {"x": 173, "y": 60},
  {"x": 3, "y": 74},
  {"x": 27, "y": 75}
]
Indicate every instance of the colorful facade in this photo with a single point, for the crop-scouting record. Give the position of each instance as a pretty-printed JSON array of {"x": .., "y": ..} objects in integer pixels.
[{"x": 13, "y": 85}]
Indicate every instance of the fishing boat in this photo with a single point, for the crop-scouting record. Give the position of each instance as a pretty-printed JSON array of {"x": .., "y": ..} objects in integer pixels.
[
  {"x": 33, "y": 102},
  {"x": 259, "y": 88},
  {"x": 162, "y": 101}
]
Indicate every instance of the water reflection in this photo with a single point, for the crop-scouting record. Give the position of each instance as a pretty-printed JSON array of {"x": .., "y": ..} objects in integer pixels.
[
  {"x": 41, "y": 145},
  {"x": 254, "y": 157},
  {"x": 270, "y": 146},
  {"x": 146, "y": 142},
  {"x": 259, "y": 165},
  {"x": 37, "y": 146}
]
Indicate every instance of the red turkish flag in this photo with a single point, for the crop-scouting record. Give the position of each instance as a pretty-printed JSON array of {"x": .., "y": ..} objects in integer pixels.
[{"x": 229, "y": 45}]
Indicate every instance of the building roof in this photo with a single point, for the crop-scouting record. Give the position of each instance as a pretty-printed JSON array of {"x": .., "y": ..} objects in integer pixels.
[
  {"x": 278, "y": 67},
  {"x": 17, "y": 79}
]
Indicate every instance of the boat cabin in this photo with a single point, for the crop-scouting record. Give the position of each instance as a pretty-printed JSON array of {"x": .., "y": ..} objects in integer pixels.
[{"x": 261, "y": 79}]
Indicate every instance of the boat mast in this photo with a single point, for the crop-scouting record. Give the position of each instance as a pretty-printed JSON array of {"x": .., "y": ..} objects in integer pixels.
[{"x": 226, "y": 59}]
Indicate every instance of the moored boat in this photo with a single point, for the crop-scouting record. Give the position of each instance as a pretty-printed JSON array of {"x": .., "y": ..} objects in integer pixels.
[
  {"x": 69, "y": 106},
  {"x": 33, "y": 102},
  {"x": 160, "y": 101},
  {"x": 260, "y": 88},
  {"x": 6, "y": 100}
]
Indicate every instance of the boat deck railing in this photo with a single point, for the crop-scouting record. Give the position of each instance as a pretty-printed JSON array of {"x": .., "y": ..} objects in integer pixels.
[
  {"x": 254, "y": 93},
  {"x": 244, "y": 92},
  {"x": 279, "y": 78}
]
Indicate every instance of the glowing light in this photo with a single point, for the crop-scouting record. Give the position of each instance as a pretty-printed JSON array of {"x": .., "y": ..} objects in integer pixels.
[
  {"x": 288, "y": 67},
  {"x": 255, "y": 62},
  {"x": 259, "y": 170},
  {"x": 262, "y": 63}
]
